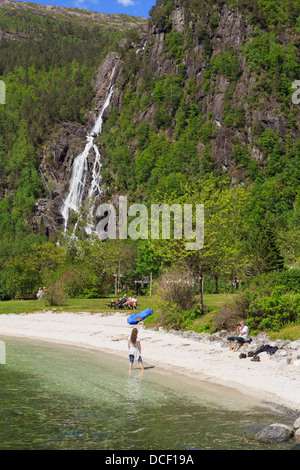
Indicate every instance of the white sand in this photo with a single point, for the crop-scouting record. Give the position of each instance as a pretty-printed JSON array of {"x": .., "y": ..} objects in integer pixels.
[{"x": 267, "y": 380}]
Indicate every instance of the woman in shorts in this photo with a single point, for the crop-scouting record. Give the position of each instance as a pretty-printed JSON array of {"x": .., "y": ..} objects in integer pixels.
[{"x": 135, "y": 349}]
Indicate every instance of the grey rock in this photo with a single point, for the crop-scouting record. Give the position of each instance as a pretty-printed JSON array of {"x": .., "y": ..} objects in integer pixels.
[
  {"x": 279, "y": 432},
  {"x": 185, "y": 334},
  {"x": 296, "y": 425},
  {"x": 294, "y": 345},
  {"x": 223, "y": 333},
  {"x": 283, "y": 353}
]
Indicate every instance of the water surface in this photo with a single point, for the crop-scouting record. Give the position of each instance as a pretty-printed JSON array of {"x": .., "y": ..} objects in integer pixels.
[{"x": 59, "y": 397}]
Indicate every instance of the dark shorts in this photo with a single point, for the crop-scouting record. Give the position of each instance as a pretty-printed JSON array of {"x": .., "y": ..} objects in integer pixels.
[
  {"x": 239, "y": 339},
  {"x": 131, "y": 358}
]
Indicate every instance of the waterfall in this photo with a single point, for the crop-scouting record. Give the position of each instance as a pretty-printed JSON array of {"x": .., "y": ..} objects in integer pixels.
[
  {"x": 77, "y": 186},
  {"x": 141, "y": 48}
]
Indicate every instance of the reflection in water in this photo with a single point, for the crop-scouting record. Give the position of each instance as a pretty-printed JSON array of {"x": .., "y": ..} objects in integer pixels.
[
  {"x": 133, "y": 393},
  {"x": 133, "y": 403},
  {"x": 55, "y": 397}
]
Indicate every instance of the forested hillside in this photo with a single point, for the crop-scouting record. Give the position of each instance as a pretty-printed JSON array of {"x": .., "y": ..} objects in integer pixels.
[{"x": 204, "y": 114}]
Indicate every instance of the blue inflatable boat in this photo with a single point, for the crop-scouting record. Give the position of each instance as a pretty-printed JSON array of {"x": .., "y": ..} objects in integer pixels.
[{"x": 137, "y": 317}]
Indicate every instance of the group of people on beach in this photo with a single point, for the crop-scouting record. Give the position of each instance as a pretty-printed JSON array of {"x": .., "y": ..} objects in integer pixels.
[{"x": 130, "y": 302}]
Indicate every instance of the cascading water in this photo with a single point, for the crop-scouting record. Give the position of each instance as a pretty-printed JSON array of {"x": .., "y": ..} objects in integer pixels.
[{"x": 80, "y": 170}]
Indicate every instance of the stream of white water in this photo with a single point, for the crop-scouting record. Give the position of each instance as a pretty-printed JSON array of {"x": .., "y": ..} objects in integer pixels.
[{"x": 78, "y": 181}]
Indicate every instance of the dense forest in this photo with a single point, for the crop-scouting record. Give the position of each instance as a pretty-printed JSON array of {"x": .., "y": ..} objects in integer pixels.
[{"x": 206, "y": 116}]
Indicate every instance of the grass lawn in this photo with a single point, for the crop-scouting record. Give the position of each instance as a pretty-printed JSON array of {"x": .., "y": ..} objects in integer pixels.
[
  {"x": 289, "y": 332},
  {"x": 71, "y": 305}
]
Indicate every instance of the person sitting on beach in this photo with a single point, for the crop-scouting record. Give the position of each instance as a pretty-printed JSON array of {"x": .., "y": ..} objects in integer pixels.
[
  {"x": 135, "y": 349},
  {"x": 128, "y": 303},
  {"x": 242, "y": 331}
]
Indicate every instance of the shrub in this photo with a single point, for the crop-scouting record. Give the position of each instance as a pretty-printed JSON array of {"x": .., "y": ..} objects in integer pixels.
[
  {"x": 79, "y": 283},
  {"x": 177, "y": 285},
  {"x": 273, "y": 312},
  {"x": 175, "y": 298},
  {"x": 55, "y": 294},
  {"x": 261, "y": 311},
  {"x": 172, "y": 317},
  {"x": 286, "y": 281},
  {"x": 234, "y": 311}
]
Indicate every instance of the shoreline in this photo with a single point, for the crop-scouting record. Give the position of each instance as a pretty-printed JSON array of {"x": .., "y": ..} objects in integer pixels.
[{"x": 267, "y": 382}]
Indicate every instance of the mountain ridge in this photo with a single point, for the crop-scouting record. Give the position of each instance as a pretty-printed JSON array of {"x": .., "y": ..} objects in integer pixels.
[{"x": 117, "y": 20}]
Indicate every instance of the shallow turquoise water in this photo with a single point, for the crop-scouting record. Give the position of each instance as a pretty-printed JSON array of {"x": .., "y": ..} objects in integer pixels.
[{"x": 59, "y": 397}]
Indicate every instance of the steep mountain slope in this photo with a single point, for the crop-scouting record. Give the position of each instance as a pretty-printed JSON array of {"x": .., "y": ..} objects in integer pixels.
[{"x": 210, "y": 62}]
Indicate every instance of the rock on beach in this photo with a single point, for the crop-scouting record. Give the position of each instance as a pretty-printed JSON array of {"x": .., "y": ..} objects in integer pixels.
[{"x": 280, "y": 432}]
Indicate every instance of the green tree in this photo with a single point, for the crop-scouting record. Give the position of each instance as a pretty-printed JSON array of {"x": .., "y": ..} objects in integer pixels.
[
  {"x": 223, "y": 227},
  {"x": 263, "y": 251}
]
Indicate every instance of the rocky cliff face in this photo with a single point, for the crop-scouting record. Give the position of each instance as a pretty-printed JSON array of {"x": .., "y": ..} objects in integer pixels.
[{"x": 232, "y": 32}]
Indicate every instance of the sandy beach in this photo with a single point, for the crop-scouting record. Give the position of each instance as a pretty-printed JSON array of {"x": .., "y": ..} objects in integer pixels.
[{"x": 267, "y": 381}]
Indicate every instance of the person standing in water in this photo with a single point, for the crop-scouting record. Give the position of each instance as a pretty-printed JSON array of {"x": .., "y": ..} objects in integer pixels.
[{"x": 135, "y": 349}]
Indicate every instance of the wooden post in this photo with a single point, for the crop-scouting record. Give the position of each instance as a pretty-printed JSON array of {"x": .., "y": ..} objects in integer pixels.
[{"x": 119, "y": 277}]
